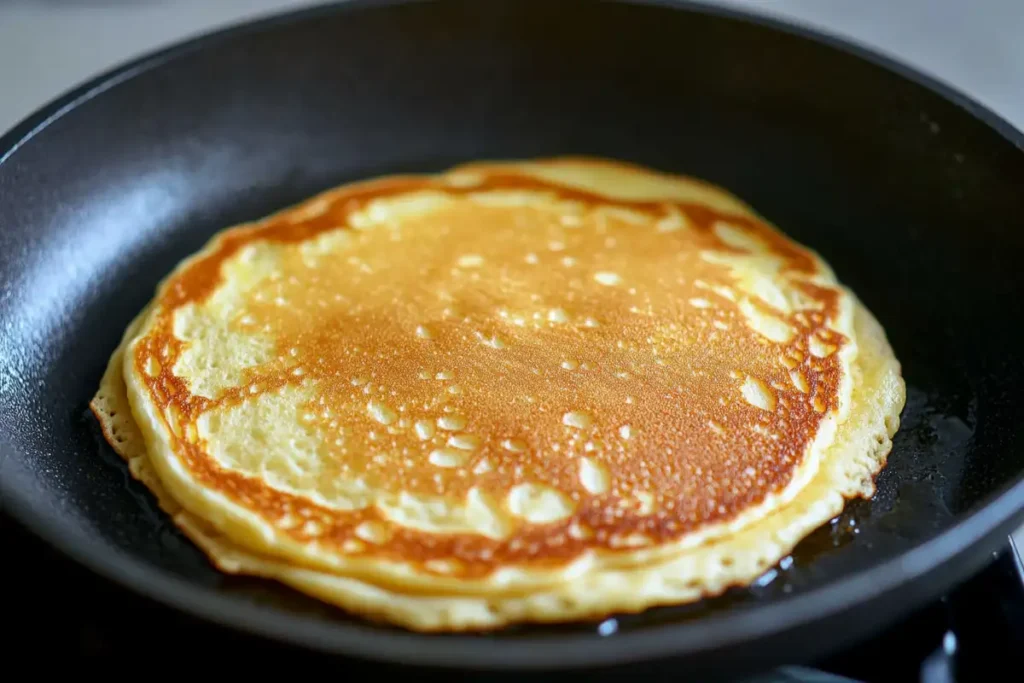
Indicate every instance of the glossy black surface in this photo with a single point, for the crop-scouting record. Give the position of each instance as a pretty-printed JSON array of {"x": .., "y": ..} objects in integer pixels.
[
  {"x": 971, "y": 631},
  {"x": 911, "y": 193}
]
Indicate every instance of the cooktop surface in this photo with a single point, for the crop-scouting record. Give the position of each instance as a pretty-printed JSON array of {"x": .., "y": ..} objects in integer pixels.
[{"x": 83, "y": 620}]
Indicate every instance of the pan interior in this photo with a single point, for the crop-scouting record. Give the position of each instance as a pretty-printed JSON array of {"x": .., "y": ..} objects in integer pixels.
[{"x": 913, "y": 201}]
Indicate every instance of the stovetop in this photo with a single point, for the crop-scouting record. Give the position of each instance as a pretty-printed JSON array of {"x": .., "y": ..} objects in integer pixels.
[{"x": 975, "y": 629}]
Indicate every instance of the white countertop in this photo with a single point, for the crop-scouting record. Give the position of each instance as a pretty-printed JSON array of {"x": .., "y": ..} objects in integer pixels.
[{"x": 48, "y": 46}]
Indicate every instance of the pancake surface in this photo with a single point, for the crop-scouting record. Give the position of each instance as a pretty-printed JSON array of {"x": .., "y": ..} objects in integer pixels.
[{"x": 510, "y": 392}]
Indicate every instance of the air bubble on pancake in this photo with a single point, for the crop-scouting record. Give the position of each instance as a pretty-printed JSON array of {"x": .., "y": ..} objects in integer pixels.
[
  {"x": 470, "y": 261},
  {"x": 381, "y": 412},
  {"x": 465, "y": 442},
  {"x": 373, "y": 532},
  {"x": 700, "y": 303},
  {"x": 494, "y": 341},
  {"x": 444, "y": 375},
  {"x": 152, "y": 366},
  {"x": 514, "y": 445},
  {"x": 594, "y": 476},
  {"x": 568, "y": 261},
  {"x": 820, "y": 349},
  {"x": 629, "y": 541},
  {"x": 424, "y": 429},
  {"x": 623, "y": 214},
  {"x": 818, "y": 404},
  {"x": 251, "y": 252},
  {"x": 451, "y": 423},
  {"x": 799, "y": 381},
  {"x": 287, "y": 521},
  {"x": 447, "y": 457},
  {"x": 758, "y": 394},
  {"x": 423, "y": 332},
  {"x": 351, "y": 545},
  {"x": 442, "y": 566},
  {"x": 539, "y": 504},
  {"x": 483, "y": 467},
  {"x": 724, "y": 292},
  {"x": 365, "y": 267},
  {"x": 765, "y": 324},
  {"x": 626, "y": 431},
  {"x": 607, "y": 278},
  {"x": 672, "y": 221},
  {"x": 558, "y": 315},
  {"x": 579, "y": 531},
  {"x": 531, "y": 258},
  {"x": 737, "y": 237},
  {"x": 577, "y": 419},
  {"x": 570, "y": 364},
  {"x": 570, "y": 220},
  {"x": 591, "y": 322},
  {"x": 645, "y": 502}
]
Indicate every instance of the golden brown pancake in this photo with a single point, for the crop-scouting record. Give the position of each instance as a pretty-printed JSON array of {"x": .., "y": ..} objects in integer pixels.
[{"x": 514, "y": 391}]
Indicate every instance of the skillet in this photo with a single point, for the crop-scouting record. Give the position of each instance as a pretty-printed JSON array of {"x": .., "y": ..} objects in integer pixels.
[{"x": 909, "y": 189}]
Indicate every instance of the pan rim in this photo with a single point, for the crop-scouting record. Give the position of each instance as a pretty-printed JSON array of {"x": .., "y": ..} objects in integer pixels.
[{"x": 985, "y": 523}]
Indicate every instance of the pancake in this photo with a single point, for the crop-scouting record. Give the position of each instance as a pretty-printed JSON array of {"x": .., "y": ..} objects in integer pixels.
[{"x": 532, "y": 391}]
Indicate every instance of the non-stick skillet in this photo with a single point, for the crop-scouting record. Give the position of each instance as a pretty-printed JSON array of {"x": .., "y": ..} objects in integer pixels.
[{"x": 911, "y": 191}]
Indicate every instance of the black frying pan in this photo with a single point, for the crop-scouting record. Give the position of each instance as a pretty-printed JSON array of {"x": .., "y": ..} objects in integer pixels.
[{"x": 912, "y": 192}]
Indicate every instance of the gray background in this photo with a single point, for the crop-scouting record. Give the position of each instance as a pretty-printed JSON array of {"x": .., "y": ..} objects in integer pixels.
[{"x": 48, "y": 46}]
